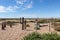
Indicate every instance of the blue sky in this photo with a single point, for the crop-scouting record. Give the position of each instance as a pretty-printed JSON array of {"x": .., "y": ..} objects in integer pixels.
[{"x": 29, "y": 8}]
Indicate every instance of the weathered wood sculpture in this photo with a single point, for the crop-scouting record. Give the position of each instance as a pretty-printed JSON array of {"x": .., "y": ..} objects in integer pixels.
[{"x": 23, "y": 22}]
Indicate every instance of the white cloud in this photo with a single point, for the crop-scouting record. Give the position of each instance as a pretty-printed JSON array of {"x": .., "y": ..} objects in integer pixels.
[
  {"x": 12, "y": 8},
  {"x": 25, "y": 5},
  {"x": 2, "y": 9},
  {"x": 29, "y": 5},
  {"x": 21, "y": 2},
  {"x": 8, "y": 9}
]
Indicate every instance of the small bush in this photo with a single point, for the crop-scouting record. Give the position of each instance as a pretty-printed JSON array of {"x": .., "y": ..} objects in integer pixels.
[
  {"x": 45, "y": 36},
  {"x": 43, "y": 21},
  {"x": 27, "y": 25},
  {"x": 32, "y": 21},
  {"x": 51, "y": 36},
  {"x": 56, "y": 24},
  {"x": 10, "y": 22},
  {"x": 37, "y": 28},
  {"x": 57, "y": 20},
  {"x": 57, "y": 28},
  {"x": 33, "y": 36}
]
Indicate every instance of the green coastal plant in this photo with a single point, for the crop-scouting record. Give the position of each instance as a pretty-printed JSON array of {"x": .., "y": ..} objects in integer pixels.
[
  {"x": 51, "y": 36},
  {"x": 11, "y": 23},
  {"x": 33, "y": 36},
  {"x": 45, "y": 36},
  {"x": 43, "y": 21}
]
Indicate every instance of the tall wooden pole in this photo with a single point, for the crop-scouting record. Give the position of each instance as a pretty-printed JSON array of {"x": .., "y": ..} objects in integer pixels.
[
  {"x": 49, "y": 26},
  {"x": 22, "y": 23},
  {"x": 20, "y": 20}
]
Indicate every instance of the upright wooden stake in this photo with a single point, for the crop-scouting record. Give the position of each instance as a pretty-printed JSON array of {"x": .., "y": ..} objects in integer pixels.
[
  {"x": 10, "y": 25},
  {"x": 49, "y": 26},
  {"x": 20, "y": 20},
  {"x": 3, "y": 25},
  {"x": 22, "y": 23},
  {"x": 3, "y": 28}
]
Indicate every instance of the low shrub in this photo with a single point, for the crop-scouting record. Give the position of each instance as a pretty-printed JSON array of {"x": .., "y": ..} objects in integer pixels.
[
  {"x": 57, "y": 28},
  {"x": 45, "y": 36},
  {"x": 56, "y": 24},
  {"x": 11, "y": 22},
  {"x": 57, "y": 20},
  {"x": 27, "y": 25},
  {"x": 32, "y": 21},
  {"x": 43, "y": 21},
  {"x": 33, "y": 36},
  {"x": 51, "y": 36}
]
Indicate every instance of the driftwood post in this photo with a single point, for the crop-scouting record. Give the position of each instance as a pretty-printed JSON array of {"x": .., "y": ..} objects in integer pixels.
[
  {"x": 49, "y": 27},
  {"x": 10, "y": 25},
  {"x": 51, "y": 21},
  {"x": 23, "y": 22},
  {"x": 3, "y": 28},
  {"x": 3, "y": 25}
]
